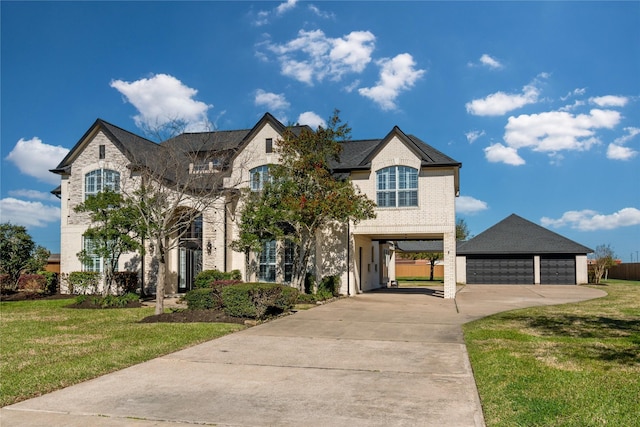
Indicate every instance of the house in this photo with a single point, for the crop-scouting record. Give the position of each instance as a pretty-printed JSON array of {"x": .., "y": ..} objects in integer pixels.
[
  {"x": 413, "y": 184},
  {"x": 517, "y": 251}
]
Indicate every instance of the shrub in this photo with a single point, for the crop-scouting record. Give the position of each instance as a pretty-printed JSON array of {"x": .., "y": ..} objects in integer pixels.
[
  {"x": 206, "y": 278},
  {"x": 51, "y": 286},
  {"x": 306, "y": 299},
  {"x": 109, "y": 301},
  {"x": 6, "y": 282},
  {"x": 329, "y": 285},
  {"x": 32, "y": 283},
  {"x": 199, "y": 299},
  {"x": 126, "y": 282},
  {"x": 258, "y": 300},
  {"x": 85, "y": 282}
]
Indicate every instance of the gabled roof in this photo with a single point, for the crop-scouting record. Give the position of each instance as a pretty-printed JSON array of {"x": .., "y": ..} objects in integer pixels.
[
  {"x": 130, "y": 144},
  {"x": 516, "y": 235}
]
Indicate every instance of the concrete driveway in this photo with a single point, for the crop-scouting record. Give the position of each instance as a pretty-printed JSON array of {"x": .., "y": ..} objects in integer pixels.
[{"x": 388, "y": 358}]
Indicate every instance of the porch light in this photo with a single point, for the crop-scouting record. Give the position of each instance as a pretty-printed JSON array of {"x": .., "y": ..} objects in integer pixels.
[{"x": 209, "y": 247}]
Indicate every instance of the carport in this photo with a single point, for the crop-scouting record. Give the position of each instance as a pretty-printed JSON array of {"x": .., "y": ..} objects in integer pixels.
[{"x": 518, "y": 251}]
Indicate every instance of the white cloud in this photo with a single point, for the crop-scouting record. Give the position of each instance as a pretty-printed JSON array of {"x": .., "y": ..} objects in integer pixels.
[
  {"x": 286, "y": 6},
  {"x": 589, "y": 220},
  {"x": 609, "y": 101},
  {"x": 470, "y": 205},
  {"x": 163, "y": 99},
  {"x": 617, "y": 151},
  {"x": 310, "y": 118},
  {"x": 397, "y": 75},
  {"x": 28, "y": 214},
  {"x": 498, "y": 153},
  {"x": 33, "y": 195},
  {"x": 320, "y": 13},
  {"x": 270, "y": 100},
  {"x": 473, "y": 135},
  {"x": 575, "y": 92},
  {"x": 500, "y": 103},
  {"x": 558, "y": 130},
  {"x": 490, "y": 62},
  {"x": 34, "y": 158},
  {"x": 312, "y": 56}
]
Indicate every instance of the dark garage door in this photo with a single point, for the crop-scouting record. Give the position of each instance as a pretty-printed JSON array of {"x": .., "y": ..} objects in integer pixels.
[
  {"x": 558, "y": 270},
  {"x": 500, "y": 270}
]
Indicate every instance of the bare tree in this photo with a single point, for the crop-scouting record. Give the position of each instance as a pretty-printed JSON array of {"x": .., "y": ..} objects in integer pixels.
[
  {"x": 176, "y": 183},
  {"x": 604, "y": 258}
]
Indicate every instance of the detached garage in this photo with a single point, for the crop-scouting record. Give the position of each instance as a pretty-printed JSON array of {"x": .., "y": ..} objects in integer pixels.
[{"x": 518, "y": 252}]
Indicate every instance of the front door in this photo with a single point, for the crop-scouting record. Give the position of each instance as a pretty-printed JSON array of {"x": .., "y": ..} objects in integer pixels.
[{"x": 190, "y": 264}]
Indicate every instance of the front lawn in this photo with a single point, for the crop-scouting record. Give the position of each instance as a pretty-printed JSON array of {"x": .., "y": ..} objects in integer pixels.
[
  {"x": 568, "y": 365},
  {"x": 45, "y": 346}
]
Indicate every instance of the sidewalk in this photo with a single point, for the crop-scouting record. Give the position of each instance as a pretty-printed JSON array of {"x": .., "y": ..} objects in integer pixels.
[{"x": 390, "y": 358}]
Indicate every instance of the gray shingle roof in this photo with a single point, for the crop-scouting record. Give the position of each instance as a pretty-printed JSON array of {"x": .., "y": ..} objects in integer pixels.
[{"x": 516, "y": 235}]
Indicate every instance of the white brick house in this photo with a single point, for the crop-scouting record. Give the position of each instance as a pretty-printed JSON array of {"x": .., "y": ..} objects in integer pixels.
[{"x": 413, "y": 184}]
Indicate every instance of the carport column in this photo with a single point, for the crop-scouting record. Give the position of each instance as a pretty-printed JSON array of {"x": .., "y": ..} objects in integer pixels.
[
  {"x": 449, "y": 248},
  {"x": 536, "y": 269}
]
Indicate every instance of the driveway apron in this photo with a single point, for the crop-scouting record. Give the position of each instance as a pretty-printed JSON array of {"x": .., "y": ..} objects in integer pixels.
[{"x": 389, "y": 358}]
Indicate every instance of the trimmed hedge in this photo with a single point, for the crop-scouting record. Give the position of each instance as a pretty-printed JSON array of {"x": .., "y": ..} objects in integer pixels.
[
  {"x": 206, "y": 278},
  {"x": 199, "y": 299},
  {"x": 258, "y": 300}
]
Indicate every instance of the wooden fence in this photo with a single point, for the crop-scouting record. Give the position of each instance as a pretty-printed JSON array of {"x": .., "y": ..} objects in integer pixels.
[
  {"x": 628, "y": 271},
  {"x": 417, "y": 268}
]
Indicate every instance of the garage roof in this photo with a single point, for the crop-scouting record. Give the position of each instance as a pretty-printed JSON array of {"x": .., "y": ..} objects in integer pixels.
[{"x": 516, "y": 235}]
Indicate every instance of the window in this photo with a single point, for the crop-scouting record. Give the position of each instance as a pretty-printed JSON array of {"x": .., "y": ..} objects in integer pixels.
[
  {"x": 397, "y": 186},
  {"x": 289, "y": 249},
  {"x": 267, "y": 272},
  {"x": 269, "y": 145},
  {"x": 101, "y": 152},
  {"x": 93, "y": 261},
  {"x": 100, "y": 180},
  {"x": 258, "y": 177}
]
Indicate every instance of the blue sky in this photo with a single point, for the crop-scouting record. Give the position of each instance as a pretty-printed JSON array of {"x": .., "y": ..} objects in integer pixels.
[{"x": 540, "y": 101}]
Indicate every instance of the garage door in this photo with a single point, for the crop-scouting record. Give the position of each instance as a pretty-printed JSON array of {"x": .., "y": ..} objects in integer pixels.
[
  {"x": 500, "y": 270},
  {"x": 557, "y": 270}
]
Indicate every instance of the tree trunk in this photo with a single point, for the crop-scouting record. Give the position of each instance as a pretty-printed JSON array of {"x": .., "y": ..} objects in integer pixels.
[
  {"x": 433, "y": 265},
  {"x": 162, "y": 274}
]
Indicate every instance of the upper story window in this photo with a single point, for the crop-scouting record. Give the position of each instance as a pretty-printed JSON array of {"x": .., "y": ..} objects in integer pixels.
[
  {"x": 269, "y": 145},
  {"x": 101, "y": 152},
  {"x": 397, "y": 186},
  {"x": 99, "y": 180},
  {"x": 258, "y": 177}
]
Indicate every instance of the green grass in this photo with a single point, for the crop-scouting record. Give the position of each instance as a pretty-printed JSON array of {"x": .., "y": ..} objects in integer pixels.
[
  {"x": 419, "y": 281},
  {"x": 568, "y": 365},
  {"x": 45, "y": 346}
]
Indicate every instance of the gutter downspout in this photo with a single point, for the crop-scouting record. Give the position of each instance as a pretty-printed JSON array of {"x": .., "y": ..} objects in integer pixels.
[{"x": 348, "y": 258}]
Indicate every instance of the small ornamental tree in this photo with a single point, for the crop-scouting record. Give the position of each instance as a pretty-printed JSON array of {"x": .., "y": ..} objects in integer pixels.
[
  {"x": 604, "y": 258},
  {"x": 462, "y": 230},
  {"x": 302, "y": 196},
  {"x": 114, "y": 230},
  {"x": 18, "y": 253}
]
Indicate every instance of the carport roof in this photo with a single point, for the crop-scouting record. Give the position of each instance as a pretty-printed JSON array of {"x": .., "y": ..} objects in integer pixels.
[{"x": 516, "y": 235}]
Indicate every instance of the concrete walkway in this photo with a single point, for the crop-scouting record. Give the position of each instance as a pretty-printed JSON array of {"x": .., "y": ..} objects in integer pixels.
[{"x": 388, "y": 358}]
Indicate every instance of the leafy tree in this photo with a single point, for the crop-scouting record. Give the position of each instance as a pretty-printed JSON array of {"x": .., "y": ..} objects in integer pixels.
[
  {"x": 115, "y": 230},
  {"x": 18, "y": 253},
  {"x": 462, "y": 230},
  {"x": 604, "y": 258},
  {"x": 303, "y": 195}
]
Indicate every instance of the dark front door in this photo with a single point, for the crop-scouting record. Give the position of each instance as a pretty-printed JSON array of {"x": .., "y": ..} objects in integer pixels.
[{"x": 190, "y": 264}]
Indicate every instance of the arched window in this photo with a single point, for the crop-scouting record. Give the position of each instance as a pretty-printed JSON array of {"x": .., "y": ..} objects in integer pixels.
[
  {"x": 99, "y": 180},
  {"x": 397, "y": 186},
  {"x": 258, "y": 177}
]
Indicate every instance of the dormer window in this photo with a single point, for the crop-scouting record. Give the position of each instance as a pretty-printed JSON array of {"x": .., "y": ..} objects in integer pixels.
[{"x": 397, "y": 186}]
